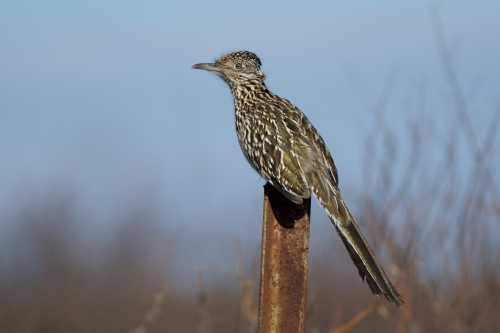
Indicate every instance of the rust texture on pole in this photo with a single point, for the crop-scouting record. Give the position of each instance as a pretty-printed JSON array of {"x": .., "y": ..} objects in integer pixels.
[{"x": 284, "y": 264}]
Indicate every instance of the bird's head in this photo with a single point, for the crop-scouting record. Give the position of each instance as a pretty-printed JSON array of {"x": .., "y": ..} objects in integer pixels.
[{"x": 236, "y": 67}]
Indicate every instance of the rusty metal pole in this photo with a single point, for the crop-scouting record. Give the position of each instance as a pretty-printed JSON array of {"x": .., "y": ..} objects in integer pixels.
[{"x": 284, "y": 264}]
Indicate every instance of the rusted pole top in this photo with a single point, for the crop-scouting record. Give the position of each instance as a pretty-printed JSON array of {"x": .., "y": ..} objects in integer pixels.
[{"x": 284, "y": 264}]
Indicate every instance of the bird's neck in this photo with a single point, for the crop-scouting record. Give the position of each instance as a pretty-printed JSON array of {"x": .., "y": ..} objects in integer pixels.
[{"x": 249, "y": 91}]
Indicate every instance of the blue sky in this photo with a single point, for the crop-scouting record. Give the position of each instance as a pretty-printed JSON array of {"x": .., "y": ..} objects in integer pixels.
[{"x": 99, "y": 96}]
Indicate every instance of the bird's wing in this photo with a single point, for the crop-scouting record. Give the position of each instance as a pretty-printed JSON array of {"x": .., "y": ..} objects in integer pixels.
[
  {"x": 300, "y": 150},
  {"x": 286, "y": 174},
  {"x": 327, "y": 157},
  {"x": 275, "y": 156}
]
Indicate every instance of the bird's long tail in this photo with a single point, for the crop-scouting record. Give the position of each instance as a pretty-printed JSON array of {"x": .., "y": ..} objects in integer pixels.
[{"x": 357, "y": 246}]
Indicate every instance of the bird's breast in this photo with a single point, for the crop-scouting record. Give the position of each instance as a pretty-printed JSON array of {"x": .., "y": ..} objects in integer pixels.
[{"x": 255, "y": 139}]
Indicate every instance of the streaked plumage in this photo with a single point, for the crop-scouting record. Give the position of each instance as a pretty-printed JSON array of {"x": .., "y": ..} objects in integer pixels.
[{"x": 282, "y": 145}]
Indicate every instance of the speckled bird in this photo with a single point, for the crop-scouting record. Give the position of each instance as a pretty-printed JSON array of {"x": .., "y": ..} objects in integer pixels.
[{"x": 282, "y": 145}]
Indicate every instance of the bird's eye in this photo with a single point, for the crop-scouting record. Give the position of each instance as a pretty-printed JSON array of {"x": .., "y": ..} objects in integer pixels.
[{"x": 238, "y": 66}]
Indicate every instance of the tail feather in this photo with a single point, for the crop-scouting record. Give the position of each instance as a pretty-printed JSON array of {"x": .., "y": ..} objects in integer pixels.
[
  {"x": 366, "y": 264},
  {"x": 356, "y": 245}
]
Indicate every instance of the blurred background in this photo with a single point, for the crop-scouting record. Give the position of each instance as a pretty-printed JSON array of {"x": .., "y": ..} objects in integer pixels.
[{"x": 127, "y": 206}]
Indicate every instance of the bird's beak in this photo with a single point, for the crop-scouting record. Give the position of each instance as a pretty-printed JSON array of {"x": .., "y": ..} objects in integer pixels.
[{"x": 207, "y": 67}]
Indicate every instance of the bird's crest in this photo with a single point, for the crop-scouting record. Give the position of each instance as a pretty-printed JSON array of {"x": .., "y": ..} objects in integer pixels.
[{"x": 240, "y": 58}]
